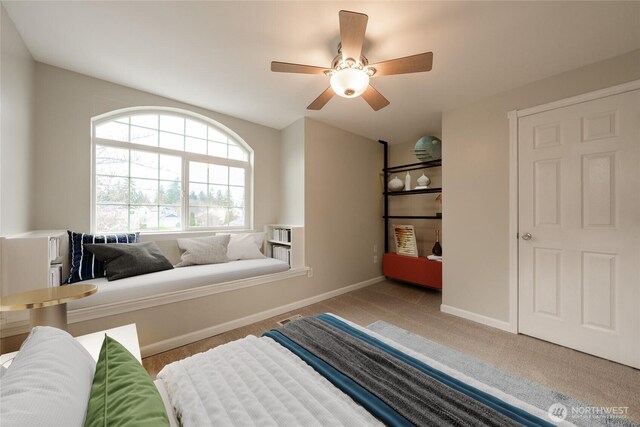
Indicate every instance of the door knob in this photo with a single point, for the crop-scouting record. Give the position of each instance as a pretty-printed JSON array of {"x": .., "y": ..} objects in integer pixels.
[{"x": 526, "y": 236}]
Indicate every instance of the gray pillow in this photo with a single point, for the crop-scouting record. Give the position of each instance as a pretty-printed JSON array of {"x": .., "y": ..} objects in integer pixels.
[
  {"x": 129, "y": 259},
  {"x": 204, "y": 250}
]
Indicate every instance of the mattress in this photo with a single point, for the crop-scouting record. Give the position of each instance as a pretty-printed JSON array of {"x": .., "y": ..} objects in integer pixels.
[{"x": 176, "y": 280}]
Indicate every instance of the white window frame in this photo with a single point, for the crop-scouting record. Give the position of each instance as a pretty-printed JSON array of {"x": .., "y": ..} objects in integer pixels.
[{"x": 186, "y": 158}]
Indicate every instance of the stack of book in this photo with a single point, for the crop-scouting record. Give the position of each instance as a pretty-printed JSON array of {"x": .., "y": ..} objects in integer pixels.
[
  {"x": 283, "y": 253},
  {"x": 55, "y": 262},
  {"x": 281, "y": 234}
]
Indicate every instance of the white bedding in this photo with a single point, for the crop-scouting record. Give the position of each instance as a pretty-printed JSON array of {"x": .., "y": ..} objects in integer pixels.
[
  {"x": 177, "y": 279},
  {"x": 256, "y": 382}
]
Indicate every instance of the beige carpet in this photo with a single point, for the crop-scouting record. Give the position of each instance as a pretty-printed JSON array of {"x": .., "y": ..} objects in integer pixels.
[{"x": 584, "y": 377}]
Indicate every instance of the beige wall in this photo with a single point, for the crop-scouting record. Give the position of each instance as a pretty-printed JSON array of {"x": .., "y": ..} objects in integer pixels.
[
  {"x": 476, "y": 178},
  {"x": 343, "y": 206},
  {"x": 66, "y": 102},
  {"x": 17, "y": 73},
  {"x": 292, "y": 174}
]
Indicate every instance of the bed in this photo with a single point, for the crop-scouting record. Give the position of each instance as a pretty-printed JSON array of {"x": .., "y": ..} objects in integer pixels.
[
  {"x": 324, "y": 370},
  {"x": 314, "y": 371}
]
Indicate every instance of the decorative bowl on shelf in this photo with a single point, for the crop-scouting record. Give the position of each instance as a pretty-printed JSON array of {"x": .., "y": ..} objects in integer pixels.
[
  {"x": 396, "y": 184},
  {"x": 428, "y": 148},
  {"x": 423, "y": 182}
]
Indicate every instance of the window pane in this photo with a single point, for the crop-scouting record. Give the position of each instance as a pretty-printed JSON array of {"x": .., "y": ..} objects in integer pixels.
[
  {"x": 219, "y": 195},
  {"x": 218, "y": 174},
  {"x": 173, "y": 124},
  {"x": 196, "y": 129},
  {"x": 197, "y": 217},
  {"x": 218, "y": 150},
  {"x": 144, "y": 165},
  {"x": 217, "y": 216},
  {"x": 198, "y": 194},
  {"x": 172, "y": 141},
  {"x": 144, "y": 191},
  {"x": 236, "y": 196},
  {"x": 197, "y": 172},
  {"x": 112, "y": 218},
  {"x": 236, "y": 217},
  {"x": 112, "y": 161},
  {"x": 144, "y": 136},
  {"x": 170, "y": 167},
  {"x": 113, "y": 130},
  {"x": 143, "y": 218},
  {"x": 237, "y": 153},
  {"x": 195, "y": 145},
  {"x": 145, "y": 120},
  {"x": 112, "y": 190},
  {"x": 122, "y": 119},
  {"x": 170, "y": 193},
  {"x": 170, "y": 218},
  {"x": 216, "y": 136},
  {"x": 236, "y": 176}
]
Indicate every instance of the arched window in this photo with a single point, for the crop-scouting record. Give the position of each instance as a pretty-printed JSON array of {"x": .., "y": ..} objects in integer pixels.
[{"x": 166, "y": 169}]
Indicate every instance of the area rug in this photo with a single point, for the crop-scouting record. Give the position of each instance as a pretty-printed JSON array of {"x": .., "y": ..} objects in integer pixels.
[{"x": 561, "y": 409}]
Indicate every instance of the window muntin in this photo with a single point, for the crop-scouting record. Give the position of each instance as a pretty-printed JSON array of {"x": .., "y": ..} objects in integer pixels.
[
  {"x": 164, "y": 171},
  {"x": 173, "y": 132}
]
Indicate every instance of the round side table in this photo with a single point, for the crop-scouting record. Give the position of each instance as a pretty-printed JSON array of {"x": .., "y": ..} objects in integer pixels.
[{"x": 48, "y": 305}]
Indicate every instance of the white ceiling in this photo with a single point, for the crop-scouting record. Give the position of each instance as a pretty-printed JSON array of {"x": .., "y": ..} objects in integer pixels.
[{"x": 217, "y": 55}]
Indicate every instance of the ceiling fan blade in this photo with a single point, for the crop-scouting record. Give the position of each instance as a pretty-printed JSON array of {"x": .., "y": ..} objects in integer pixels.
[
  {"x": 285, "y": 67},
  {"x": 408, "y": 64},
  {"x": 374, "y": 98},
  {"x": 322, "y": 100},
  {"x": 352, "y": 28}
]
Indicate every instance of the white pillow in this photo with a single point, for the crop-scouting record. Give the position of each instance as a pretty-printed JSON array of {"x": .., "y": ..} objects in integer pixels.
[
  {"x": 203, "y": 250},
  {"x": 245, "y": 246},
  {"x": 48, "y": 382}
]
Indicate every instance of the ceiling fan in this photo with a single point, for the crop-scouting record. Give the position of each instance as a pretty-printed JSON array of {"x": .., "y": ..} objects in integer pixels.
[{"x": 350, "y": 70}]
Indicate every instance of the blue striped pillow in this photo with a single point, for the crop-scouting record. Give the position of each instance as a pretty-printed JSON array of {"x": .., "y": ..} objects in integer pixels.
[{"x": 83, "y": 264}]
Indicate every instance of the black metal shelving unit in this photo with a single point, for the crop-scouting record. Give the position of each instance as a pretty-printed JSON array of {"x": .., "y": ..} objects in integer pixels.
[
  {"x": 403, "y": 168},
  {"x": 421, "y": 191}
]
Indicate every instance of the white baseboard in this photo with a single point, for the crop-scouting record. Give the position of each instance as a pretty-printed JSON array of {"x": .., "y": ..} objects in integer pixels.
[
  {"x": 478, "y": 318},
  {"x": 168, "y": 344}
]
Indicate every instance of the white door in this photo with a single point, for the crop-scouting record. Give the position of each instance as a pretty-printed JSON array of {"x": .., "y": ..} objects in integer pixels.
[{"x": 579, "y": 226}]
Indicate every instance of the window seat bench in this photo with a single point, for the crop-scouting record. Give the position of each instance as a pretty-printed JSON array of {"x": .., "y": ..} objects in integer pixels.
[{"x": 178, "y": 279}]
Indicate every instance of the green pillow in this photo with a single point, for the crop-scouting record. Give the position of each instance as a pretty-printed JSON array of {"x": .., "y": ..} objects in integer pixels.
[{"x": 122, "y": 392}]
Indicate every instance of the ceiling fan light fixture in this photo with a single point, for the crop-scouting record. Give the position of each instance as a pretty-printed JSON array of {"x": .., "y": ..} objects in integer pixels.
[
  {"x": 350, "y": 70},
  {"x": 349, "y": 82}
]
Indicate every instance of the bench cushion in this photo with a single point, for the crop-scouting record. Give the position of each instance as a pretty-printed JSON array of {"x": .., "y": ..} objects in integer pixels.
[{"x": 177, "y": 279}]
